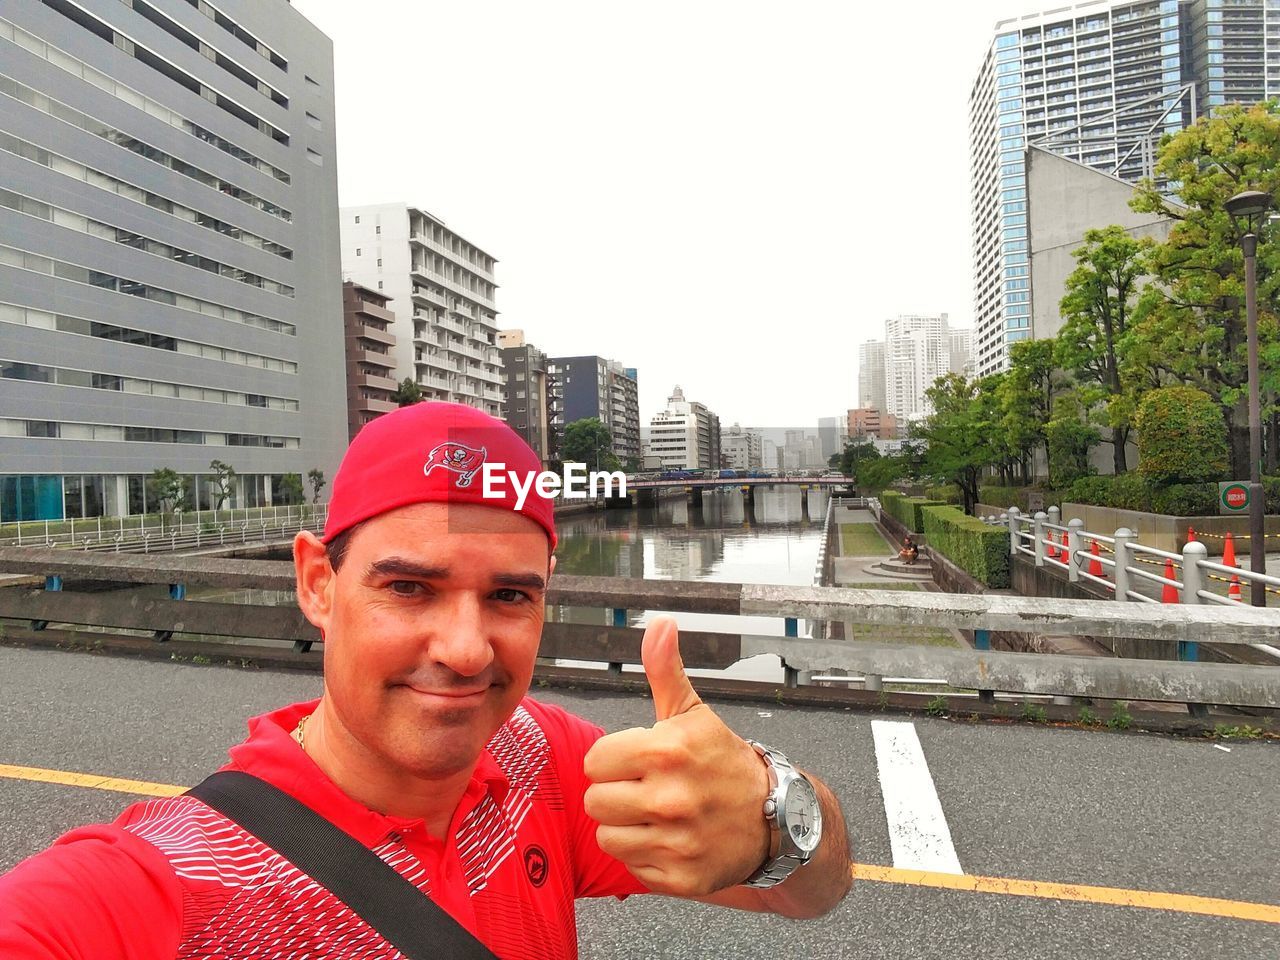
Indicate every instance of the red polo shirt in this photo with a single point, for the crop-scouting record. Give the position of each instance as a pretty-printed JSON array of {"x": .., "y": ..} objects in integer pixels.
[{"x": 172, "y": 879}]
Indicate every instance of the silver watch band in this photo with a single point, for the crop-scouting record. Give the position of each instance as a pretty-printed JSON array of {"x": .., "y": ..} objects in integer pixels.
[
  {"x": 777, "y": 865},
  {"x": 774, "y": 871}
]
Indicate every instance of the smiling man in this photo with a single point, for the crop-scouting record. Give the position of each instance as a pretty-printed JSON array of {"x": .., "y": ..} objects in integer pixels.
[{"x": 424, "y": 748}]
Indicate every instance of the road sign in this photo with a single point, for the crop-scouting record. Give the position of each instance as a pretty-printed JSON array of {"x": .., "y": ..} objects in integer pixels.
[{"x": 1233, "y": 497}]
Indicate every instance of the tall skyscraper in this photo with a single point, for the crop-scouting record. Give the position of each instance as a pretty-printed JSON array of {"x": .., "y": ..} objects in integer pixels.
[
  {"x": 1098, "y": 83},
  {"x": 871, "y": 375},
  {"x": 170, "y": 290},
  {"x": 446, "y": 321},
  {"x": 917, "y": 351},
  {"x": 961, "y": 339}
]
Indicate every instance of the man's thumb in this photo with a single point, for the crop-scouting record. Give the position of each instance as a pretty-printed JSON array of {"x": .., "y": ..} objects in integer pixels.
[{"x": 673, "y": 694}]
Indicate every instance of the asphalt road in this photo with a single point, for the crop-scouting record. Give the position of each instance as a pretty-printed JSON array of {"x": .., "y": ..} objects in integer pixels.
[{"x": 1104, "y": 809}]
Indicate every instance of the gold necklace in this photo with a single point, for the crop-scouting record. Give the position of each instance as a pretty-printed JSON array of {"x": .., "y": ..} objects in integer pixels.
[{"x": 300, "y": 732}]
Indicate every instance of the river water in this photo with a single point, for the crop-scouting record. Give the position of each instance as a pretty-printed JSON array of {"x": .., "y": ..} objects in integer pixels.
[{"x": 778, "y": 543}]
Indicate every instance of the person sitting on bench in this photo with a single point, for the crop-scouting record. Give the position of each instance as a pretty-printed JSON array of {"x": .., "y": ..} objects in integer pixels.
[{"x": 910, "y": 552}]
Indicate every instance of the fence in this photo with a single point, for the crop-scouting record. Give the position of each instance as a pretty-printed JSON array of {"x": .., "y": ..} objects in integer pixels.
[
  {"x": 981, "y": 669},
  {"x": 150, "y": 532}
]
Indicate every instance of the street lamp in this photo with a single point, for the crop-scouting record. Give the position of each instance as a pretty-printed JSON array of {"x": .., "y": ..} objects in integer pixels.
[{"x": 1252, "y": 207}]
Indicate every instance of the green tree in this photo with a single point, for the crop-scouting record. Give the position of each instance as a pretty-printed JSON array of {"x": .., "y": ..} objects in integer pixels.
[
  {"x": 1094, "y": 345},
  {"x": 1195, "y": 325},
  {"x": 1181, "y": 436},
  {"x": 170, "y": 490},
  {"x": 959, "y": 435},
  {"x": 316, "y": 478},
  {"x": 223, "y": 477},
  {"x": 1068, "y": 438},
  {"x": 851, "y": 458},
  {"x": 589, "y": 441},
  {"x": 408, "y": 393},
  {"x": 291, "y": 488}
]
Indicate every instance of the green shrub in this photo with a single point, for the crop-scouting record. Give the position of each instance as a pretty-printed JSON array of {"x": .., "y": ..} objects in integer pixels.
[
  {"x": 1182, "y": 436},
  {"x": 1129, "y": 491},
  {"x": 1186, "y": 499},
  {"x": 1002, "y": 497},
  {"x": 1091, "y": 490},
  {"x": 907, "y": 510},
  {"x": 980, "y": 550},
  {"x": 947, "y": 493}
]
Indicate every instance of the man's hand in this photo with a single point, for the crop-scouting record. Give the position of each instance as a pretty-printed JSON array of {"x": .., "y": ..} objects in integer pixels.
[{"x": 680, "y": 803}]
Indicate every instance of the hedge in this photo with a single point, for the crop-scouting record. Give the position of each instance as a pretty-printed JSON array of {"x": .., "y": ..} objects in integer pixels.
[
  {"x": 907, "y": 510},
  {"x": 980, "y": 550},
  {"x": 948, "y": 493}
]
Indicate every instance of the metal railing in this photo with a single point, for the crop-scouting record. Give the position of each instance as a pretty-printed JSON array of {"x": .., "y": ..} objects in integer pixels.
[{"x": 150, "y": 532}]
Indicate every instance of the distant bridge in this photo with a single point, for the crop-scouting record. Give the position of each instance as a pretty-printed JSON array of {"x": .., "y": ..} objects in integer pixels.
[{"x": 827, "y": 482}]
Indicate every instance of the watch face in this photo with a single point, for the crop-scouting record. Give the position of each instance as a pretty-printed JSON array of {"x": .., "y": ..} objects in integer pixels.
[{"x": 803, "y": 815}]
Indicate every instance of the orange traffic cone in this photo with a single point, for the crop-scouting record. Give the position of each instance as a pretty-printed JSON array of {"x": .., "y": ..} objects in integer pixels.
[
  {"x": 1191, "y": 534},
  {"x": 1066, "y": 549},
  {"x": 1170, "y": 593},
  {"x": 1229, "y": 552},
  {"x": 1233, "y": 591},
  {"x": 1095, "y": 566},
  {"x": 1050, "y": 549}
]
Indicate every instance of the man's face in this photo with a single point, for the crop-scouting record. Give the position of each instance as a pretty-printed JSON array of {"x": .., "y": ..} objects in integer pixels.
[{"x": 432, "y": 624}]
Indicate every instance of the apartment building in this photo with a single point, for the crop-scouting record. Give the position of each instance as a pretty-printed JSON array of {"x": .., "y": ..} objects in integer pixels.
[
  {"x": 741, "y": 449},
  {"x": 592, "y": 386},
  {"x": 371, "y": 381},
  {"x": 531, "y": 393},
  {"x": 443, "y": 286},
  {"x": 170, "y": 290},
  {"x": 684, "y": 435}
]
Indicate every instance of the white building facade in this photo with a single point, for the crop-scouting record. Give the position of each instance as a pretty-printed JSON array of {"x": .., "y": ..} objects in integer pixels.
[
  {"x": 741, "y": 449},
  {"x": 446, "y": 319},
  {"x": 871, "y": 375},
  {"x": 917, "y": 352},
  {"x": 684, "y": 436}
]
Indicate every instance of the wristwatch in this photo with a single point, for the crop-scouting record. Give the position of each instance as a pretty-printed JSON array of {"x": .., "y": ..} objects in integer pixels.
[{"x": 794, "y": 817}]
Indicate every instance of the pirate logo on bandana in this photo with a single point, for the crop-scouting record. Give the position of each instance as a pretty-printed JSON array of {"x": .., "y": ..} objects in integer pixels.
[{"x": 457, "y": 458}]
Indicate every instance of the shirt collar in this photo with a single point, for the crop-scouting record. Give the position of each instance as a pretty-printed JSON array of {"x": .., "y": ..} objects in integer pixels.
[{"x": 271, "y": 753}]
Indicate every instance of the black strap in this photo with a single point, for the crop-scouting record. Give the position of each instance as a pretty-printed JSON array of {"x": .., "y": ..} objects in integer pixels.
[{"x": 404, "y": 916}]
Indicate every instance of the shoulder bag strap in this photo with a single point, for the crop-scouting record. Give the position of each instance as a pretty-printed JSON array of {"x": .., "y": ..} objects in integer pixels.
[{"x": 404, "y": 916}]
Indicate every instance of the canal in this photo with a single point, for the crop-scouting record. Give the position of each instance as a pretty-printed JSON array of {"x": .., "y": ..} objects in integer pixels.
[{"x": 776, "y": 542}]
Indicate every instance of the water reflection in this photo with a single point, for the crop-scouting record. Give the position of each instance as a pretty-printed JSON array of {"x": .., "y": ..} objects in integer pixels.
[{"x": 773, "y": 536}]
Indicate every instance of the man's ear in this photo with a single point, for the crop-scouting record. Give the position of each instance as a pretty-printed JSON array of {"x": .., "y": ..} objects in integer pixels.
[
  {"x": 315, "y": 578},
  {"x": 551, "y": 567}
]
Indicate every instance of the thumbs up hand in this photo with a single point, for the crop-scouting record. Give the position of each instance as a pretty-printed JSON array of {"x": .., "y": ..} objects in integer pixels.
[{"x": 680, "y": 803}]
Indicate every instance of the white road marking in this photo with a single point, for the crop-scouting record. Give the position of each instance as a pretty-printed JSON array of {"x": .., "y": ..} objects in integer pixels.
[{"x": 918, "y": 832}]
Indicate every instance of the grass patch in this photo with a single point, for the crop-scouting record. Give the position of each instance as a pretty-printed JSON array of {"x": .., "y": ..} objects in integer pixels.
[
  {"x": 862, "y": 540},
  {"x": 911, "y": 636}
]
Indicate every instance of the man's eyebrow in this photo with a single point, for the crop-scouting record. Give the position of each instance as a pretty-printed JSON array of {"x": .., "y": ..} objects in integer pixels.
[
  {"x": 398, "y": 566},
  {"x": 531, "y": 580}
]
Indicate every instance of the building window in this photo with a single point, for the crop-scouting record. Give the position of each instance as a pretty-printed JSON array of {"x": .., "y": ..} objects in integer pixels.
[
  {"x": 379, "y": 261},
  {"x": 357, "y": 218},
  {"x": 357, "y": 251},
  {"x": 377, "y": 230}
]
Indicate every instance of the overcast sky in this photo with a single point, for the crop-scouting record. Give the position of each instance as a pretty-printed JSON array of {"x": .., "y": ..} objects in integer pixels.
[{"x": 730, "y": 196}]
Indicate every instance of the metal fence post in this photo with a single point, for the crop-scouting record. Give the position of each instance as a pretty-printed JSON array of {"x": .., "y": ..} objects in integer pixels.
[
  {"x": 1124, "y": 536},
  {"x": 1038, "y": 529},
  {"x": 1055, "y": 515},
  {"x": 1013, "y": 531},
  {"x": 1192, "y": 584},
  {"x": 1074, "y": 526}
]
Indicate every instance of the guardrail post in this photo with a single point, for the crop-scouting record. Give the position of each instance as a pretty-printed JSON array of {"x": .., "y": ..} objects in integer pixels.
[
  {"x": 1073, "y": 547},
  {"x": 1038, "y": 529},
  {"x": 51, "y": 585},
  {"x": 1124, "y": 536},
  {"x": 791, "y": 627},
  {"x": 1192, "y": 584},
  {"x": 177, "y": 591},
  {"x": 1014, "y": 539},
  {"x": 1055, "y": 515},
  {"x": 619, "y": 620}
]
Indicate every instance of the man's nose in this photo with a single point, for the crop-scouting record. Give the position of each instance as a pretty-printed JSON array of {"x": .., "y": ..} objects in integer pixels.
[{"x": 459, "y": 640}]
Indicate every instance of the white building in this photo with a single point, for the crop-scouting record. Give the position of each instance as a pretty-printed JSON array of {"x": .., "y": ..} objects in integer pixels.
[
  {"x": 871, "y": 375},
  {"x": 917, "y": 352},
  {"x": 741, "y": 449},
  {"x": 446, "y": 322},
  {"x": 684, "y": 436},
  {"x": 962, "y": 361}
]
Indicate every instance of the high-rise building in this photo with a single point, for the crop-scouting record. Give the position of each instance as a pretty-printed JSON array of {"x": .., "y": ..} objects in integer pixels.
[
  {"x": 370, "y": 367},
  {"x": 868, "y": 422},
  {"x": 170, "y": 290},
  {"x": 961, "y": 350},
  {"x": 528, "y": 391},
  {"x": 1098, "y": 83},
  {"x": 832, "y": 432},
  {"x": 446, "y": 321},
  {"x": 871, "y": 375},
  {"x": 917, "y": 352},
  {"x": 592, "y": 386},
  {"x": 741, "y": 449},
  {"x": 684, "y": 436}
]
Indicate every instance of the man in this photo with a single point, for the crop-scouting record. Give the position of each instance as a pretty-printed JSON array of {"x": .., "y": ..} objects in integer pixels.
[{"x": 430, "y": 597}]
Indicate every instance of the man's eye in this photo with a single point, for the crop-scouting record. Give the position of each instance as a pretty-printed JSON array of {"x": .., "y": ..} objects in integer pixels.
[
  {"x": 405, "y": 588},
  {"x": 510, "y": 595}
]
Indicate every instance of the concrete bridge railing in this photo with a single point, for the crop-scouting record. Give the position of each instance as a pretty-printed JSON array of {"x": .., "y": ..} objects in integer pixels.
[{"x": 137, "y": 606}]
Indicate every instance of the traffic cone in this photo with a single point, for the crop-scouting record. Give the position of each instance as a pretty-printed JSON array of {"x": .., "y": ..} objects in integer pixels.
[
  {"x": 1229, "y": 552},
  {"x": 1050, "y": 550},
  {"x": 1233, "y": 591},
  {"x": 1095, "y": 566},
  {"x": 1191, "y": 534},
  {"x": 1066, "y": 549},
  {"x": 1170, "y": 593}
]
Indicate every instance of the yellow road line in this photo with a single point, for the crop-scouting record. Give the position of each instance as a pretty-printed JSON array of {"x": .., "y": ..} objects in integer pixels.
[
  {"x": 1114, "y": 896},
  {"x": 1043, "y": 890},
  {"x": 66, "y": 778}
]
